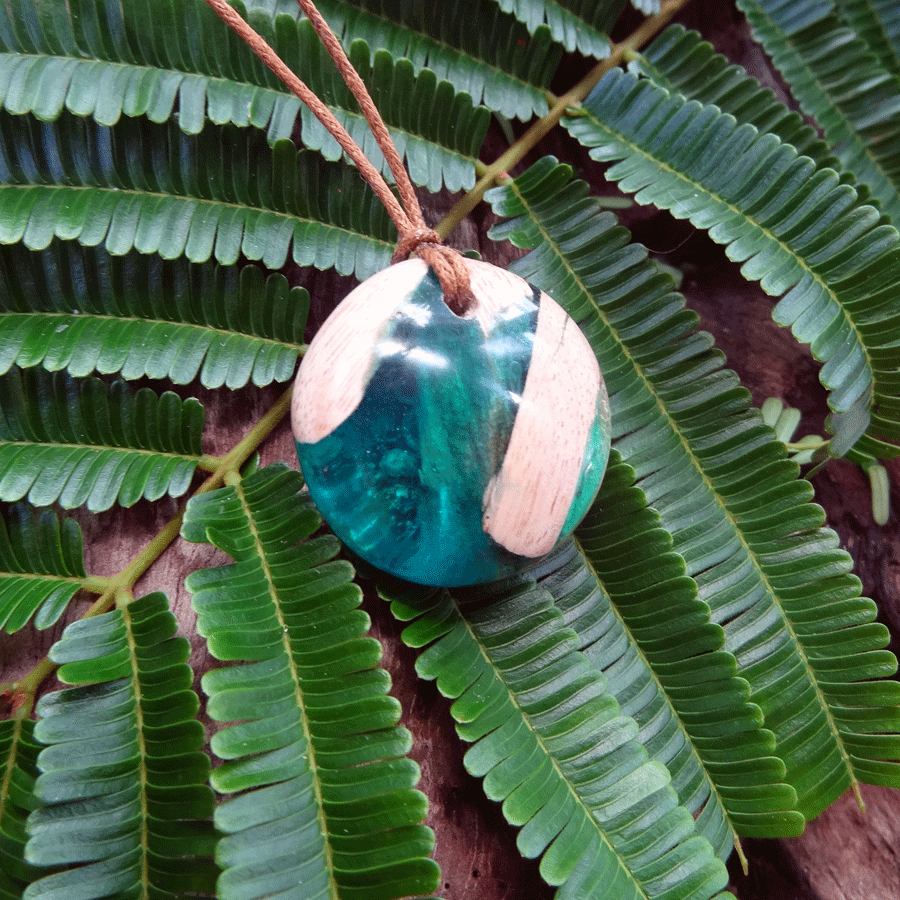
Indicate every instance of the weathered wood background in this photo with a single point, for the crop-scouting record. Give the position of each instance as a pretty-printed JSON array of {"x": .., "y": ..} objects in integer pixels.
[{"x": 844, "y": 855}]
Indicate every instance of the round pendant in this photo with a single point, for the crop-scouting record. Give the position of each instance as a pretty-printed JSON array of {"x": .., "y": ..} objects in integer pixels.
[{"x": 450, "y": 450}]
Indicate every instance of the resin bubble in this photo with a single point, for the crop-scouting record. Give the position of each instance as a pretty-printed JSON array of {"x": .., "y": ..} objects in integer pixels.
[{"x": 450, "y": 450}]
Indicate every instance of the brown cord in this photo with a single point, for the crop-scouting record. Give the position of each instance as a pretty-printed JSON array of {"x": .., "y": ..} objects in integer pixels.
[
  {"x": 369, "y": 110},
  {"x": 448, "y": 265}
]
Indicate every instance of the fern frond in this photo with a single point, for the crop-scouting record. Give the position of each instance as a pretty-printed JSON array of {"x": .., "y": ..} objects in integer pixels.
[
  {"x": 682, "y": 62},
  {"x": 328, "y": 797},
  {"x": 148, "y": 61},
  {"x": 579, "y": 25},
  {"x": 123, "y": 780},
  {"x": 772, "y": 576},
  {"x": 498, "y": 63},
  {"x": 41, "y": 567},
  {"x": 155, "y": 189},
  {"x": 552, "y": 744},
  {"x": 81, "y": 443},
  {"x": 80, "y": 309},
  {"x": 18, "y": 770},
  {"x": 107, "y": 60},
  {"x": 838, "y": 80},
  {"x": 683, "y": 689},
  {"x": 877, "y": 22},
  {"x": 797, "y": 230}
]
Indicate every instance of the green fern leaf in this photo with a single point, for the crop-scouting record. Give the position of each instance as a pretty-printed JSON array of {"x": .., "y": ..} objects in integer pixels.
[
  {"x": 81, "y": 309},
  {"x": 18, "y": 770},
  {"x": 797, "y": 230},
  {"x": 498, "y": 63},
  {"x": 680, "y": 61},
  {"x": 581, "y": 25},
  {"x": 878, "y": 23},
  {"x": 839, "y": 81},
  {"x": 41, "y": 567},
  {"x": 328, "y": 799},
  {"x": 683, "y": 691},
  {"x": 123, "y": 778},
  {"x": 102, "y": 60},
  {"x": 552, "y": 744},
  {"x": 773, "y": 578},
  {"x": 154, "y": 189},
  {"x": 149, "y": 60},
  {"x": 81, "y": 443}
]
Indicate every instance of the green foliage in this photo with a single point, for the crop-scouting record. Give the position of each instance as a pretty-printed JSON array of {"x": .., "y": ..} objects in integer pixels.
[
  {"x": 770, "y": 574},
  {"x": 498, "y": 63},
  {"x": 151, "y": 188},
  {"x": 696, "y": 665},
  {"x": 161, "y": 56},
  {"x": 838, "y": 79},
  {"x": 878, "y": 24},
  {"x": 680, "y": 61},
  {"x": 683, "y": 691},
  {"x": 312, "y": 706},
  {"x": 18, "y": 771},
  {"x": 77, "y": 442},
  {"x": 580, "y": 25},
  {"x": 110, "y": 807},
  {"x": 80, "y": 309},
  {"x": 798, "y": 230},
  {"x": 552, "y": 744}
]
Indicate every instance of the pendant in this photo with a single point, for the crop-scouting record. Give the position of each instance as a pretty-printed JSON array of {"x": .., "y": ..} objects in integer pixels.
[{"x": 450, "y": 450}]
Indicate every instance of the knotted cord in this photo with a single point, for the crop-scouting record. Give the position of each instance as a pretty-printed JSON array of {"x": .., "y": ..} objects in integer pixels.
[{"x": 415, "y": 236}]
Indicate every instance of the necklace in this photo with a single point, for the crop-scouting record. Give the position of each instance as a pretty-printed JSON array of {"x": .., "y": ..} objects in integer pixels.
[{"x": 451, "y": 419}]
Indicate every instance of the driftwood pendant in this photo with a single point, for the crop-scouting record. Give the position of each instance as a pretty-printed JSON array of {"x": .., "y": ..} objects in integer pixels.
[{"x": 450, "y": 450}]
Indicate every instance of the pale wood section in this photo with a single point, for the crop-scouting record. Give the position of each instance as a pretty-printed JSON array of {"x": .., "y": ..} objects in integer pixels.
[
  {"x": 526, "y": 503},
  {"x": 336, "y": 369}
]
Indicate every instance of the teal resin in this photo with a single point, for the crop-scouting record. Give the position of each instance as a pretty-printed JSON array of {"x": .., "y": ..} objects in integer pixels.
[{"x": 401, "y": 481}]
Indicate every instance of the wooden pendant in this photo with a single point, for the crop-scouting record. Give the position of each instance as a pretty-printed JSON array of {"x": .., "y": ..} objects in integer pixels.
[{"x": 450, "y": 450}]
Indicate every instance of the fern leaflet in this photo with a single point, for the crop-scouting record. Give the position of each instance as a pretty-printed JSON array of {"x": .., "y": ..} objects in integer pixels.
[
  {"x": 111, "y": 811},
  {"x": 839, "y": 80},
  {"x": 797, "y": 230},
  {"x": 773, "y": 578},
  {"x": 153, "y": 63},
  {"x": 326, "y": 792},
  {"x": 154, "y": 189},
  {"x": 551, "y": 742},
  {"x": 81, "y": 443},
  {"x": 78, "y": 308}
]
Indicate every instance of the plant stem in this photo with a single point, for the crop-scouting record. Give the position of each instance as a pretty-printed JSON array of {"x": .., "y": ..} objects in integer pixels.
[{"x": 647, "y": 30}]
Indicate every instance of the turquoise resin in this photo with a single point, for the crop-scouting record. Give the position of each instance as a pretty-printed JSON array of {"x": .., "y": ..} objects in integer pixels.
[{"x": 402, "y": 480}]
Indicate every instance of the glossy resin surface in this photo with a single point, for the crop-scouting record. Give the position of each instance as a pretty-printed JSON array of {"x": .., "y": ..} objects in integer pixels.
[{"x": 450, "y": 450}]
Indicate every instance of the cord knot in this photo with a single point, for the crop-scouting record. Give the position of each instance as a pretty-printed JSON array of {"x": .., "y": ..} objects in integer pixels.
[
  {"x": 412, "y": 240},
  {"x": 448, "y": 264}
]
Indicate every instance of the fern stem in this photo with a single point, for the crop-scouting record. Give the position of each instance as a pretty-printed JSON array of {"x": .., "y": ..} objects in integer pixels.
[
  {"x": 209, "y": 463},
  {"x": 25, "y": 689},
  {"x": 640, "y": 36},
  {"x": 96, "y": 584}
]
